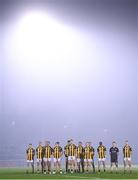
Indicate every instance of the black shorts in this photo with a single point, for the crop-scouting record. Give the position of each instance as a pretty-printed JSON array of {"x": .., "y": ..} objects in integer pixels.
[{"x": 114, "y": 160}]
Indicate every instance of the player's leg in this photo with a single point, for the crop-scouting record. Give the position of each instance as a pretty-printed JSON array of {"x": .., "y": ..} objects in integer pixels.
[
  {"x": 93, "y": 165},
  {"x": 67, "y": 164},
  {"x": 130, "y": 165},
  {"x": 74, "y": 163},
  {"x": 45, "y": 165},
  {"x": 82, "y": 164},
  {"x": 111, "y": 166},
  {"x": 78, "y": 164},
  {"x": 59, "y": 165},
  {"x": 99, "y": 165},
  {"x": 42, "y": 165},
  {"x": 32, "y": 165},
  {"x": 38, "y": 164},
  {"x": 55, "y": 166},
  {"x": 89, "y": 165},
  {"x": 28, "y": 163},
  {"x": 125, "y": 164},
  {"x": 85, "y": 165},
  {"x": 103, "y": 162},
  {"x": 116, "y": 165},
  {"x": 49, "y": 165}
]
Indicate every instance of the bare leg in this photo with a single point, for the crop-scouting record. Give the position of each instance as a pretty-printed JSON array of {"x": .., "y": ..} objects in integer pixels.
[
  {"x": 104, "y": 166},
  {"x": 32, "y": 165},
  {"x": 99, "y": 166}
]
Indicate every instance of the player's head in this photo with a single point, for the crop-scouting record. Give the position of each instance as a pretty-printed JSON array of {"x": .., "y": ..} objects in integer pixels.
[
  {"x": 47, "y": 143},
  {"x": 90, "y": 143},
  {"x": 87, "y": 143},
  {"x": 79, "y": 143},
  {"x": 100, "y": 143},
  {"x": 71, "y": 141},
  {"x": 30, "y": 145},
  {"x": 57, "y": 143},
  {"x": 126, "y": 143},
  {"x": 40, "y": 143},
  {"x": 68, "y": 142},
  {"x": 114, "y": 144}
]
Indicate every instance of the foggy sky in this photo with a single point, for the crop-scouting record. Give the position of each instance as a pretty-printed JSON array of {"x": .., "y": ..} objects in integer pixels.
[{"x": 92, "y": 96}]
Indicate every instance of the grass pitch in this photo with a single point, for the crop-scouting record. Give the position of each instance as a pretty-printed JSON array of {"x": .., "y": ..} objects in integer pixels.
[{"x": 20, "y": 173}]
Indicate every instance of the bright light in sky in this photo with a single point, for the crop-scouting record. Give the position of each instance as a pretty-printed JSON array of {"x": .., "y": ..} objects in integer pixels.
[
  {"x": 39, "y": 41},
  {"x": 42, "y": 47},
  {"x": 37, "y": 35}
]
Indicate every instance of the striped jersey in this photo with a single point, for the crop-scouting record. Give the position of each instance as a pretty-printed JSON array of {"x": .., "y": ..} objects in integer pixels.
[
  {"x": 79, "y": 151},
  {"x": 72, "y": 150},
  {"x": 57, "y": 151},
  {"x": 101, "y": 152},
  {"x": 127, "y": 150},
  {"x": 30, "y": 154},
  {"x": 48, "y": 151},
  {"x": 88, "y": 152},
  {"x": 39, "y": 152}
]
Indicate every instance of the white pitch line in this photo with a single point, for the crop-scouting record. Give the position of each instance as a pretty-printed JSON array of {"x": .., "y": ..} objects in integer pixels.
[{"x": 77, "y": 177}]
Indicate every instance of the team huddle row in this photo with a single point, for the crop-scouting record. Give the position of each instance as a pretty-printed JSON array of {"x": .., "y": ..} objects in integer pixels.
[{"x": 78, "y": 158}]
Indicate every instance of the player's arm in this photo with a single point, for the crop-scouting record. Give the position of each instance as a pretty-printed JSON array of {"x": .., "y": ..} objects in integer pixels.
[
  {"x": 27, "y": 153},
  {"x": 43, "y": 152},
  {"x": 36, "y": 150},
  {"x": 130, "y": 151},
  {"x": 52, "y": 151},
  {"x": 117, "y": 151},
  {"x": 124, "y": 151},
  {"x": 105, "y": 150},
  {"x": 110, "y": 151},
  {"x": 33, "y": 152},
  {"x": 93, "y": 151},
  {"x": 61, "y": 152},
  {"x": 75, "y": 149},
  {"x": 65, "y": 148}
]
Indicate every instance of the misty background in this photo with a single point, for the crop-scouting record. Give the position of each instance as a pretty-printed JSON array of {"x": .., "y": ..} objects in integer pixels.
[{"x": 87, "y": 90}]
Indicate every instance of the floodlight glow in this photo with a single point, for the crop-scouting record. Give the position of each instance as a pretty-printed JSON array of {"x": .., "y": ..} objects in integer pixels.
[
  {"x": 43, "y": 47},
  {"x": 40, "y": 41},
  {"x": 38, "y": 34}
]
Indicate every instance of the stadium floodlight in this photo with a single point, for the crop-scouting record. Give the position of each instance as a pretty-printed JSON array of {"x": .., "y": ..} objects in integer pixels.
[
  {"x": 39, "y": 34},
  {"x": 39, "y": 41}
]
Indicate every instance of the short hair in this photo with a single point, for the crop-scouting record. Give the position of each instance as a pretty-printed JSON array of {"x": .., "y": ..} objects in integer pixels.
[
  {"x": 68, "y": 141},
  {"x": 57, "y": 142},
  {"x": 30, "y": 144},
  {"x": 100, "y": 142}
]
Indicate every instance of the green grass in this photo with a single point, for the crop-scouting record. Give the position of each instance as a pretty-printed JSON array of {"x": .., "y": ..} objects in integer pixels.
[{"x": 20, "y": 173}]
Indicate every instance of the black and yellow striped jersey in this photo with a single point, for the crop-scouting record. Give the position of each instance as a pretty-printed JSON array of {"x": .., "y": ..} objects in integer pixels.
[
  {"x": 127, "y": 151},
  {"x": 72, "y": 150},
  {"x": 79, "y": 151},
  {"x": 101, "y": 152},
  {"x": 66, "y": 150},
  {"x": 88, "y": 152},
  {"x": 47, "y": 151},
  {"x": 57, "y": 152},
  {"x": 30, "y": 154},
  {"x": 39, "y": 152}
]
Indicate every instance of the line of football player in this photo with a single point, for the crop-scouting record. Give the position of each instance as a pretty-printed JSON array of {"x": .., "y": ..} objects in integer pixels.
[{"x": 78, "y": 158}]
